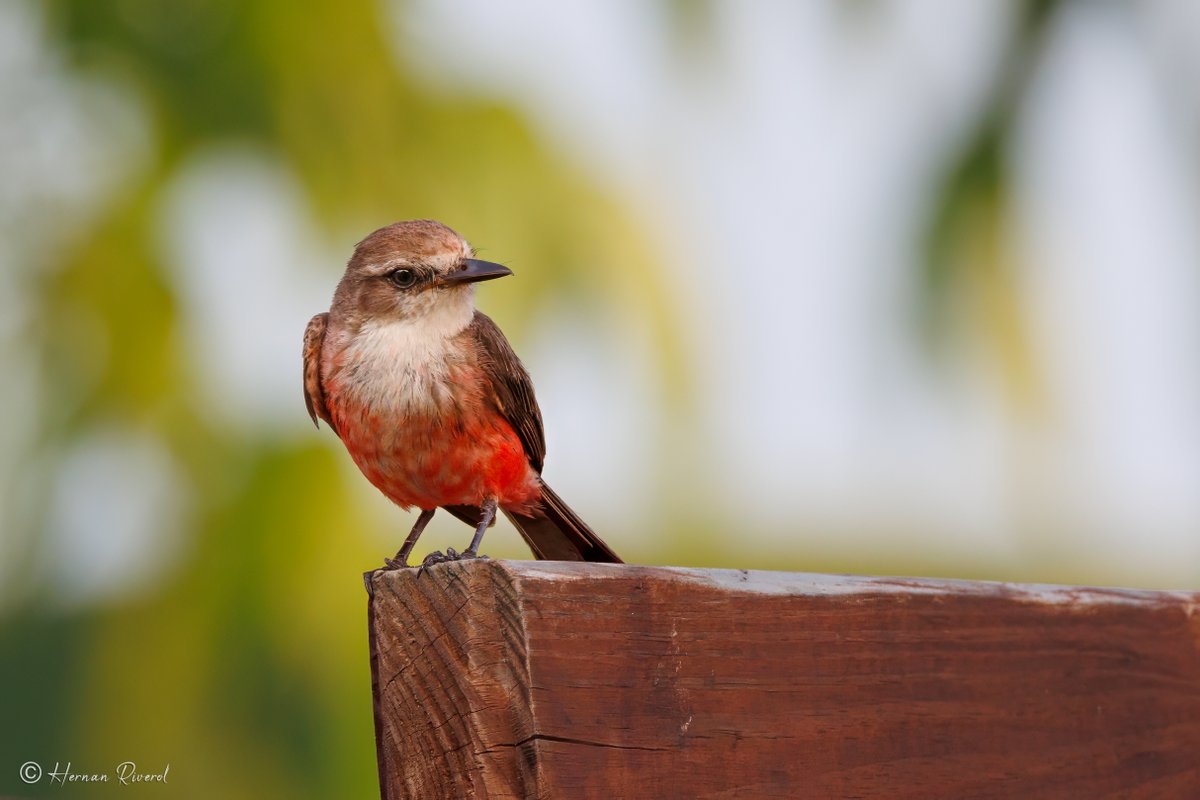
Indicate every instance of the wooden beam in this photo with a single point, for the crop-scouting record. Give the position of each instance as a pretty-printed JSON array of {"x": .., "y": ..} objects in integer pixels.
[{"x": 553, "y": 680}]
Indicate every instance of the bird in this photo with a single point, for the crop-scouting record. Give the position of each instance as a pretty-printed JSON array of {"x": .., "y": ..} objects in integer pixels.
[{"x": 429, "y": 398}]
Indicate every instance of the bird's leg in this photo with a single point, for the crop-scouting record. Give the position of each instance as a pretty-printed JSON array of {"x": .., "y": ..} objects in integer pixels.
[
  {"x": 401, "y": 559},
  {"x": 487, "y": 515}
]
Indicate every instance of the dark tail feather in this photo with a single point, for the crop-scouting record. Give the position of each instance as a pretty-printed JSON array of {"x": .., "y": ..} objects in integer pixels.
[{"x": 556, "y": 533}]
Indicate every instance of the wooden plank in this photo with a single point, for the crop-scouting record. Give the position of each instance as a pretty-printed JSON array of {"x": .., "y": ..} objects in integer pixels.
[{"x": 541, "y": 679}]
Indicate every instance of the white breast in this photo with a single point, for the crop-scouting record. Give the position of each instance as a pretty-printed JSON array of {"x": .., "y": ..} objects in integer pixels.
[{"x": 404, "y": 366}]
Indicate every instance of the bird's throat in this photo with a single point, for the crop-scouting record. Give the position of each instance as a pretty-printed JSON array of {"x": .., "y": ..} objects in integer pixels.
[{"x": 405, "y": 366}]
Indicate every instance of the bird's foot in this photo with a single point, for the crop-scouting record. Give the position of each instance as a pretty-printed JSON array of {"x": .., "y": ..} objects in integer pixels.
[
  {"x": 394, "y": 564},
  {"x": 438, "y": 557}
]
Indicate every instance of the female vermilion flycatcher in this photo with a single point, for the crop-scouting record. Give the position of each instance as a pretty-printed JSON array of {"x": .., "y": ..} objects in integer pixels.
[{"x": 429, "y": 398}]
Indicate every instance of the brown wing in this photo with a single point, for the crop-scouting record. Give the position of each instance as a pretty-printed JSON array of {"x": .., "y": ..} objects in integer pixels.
[
  {"x": 512, "y": 391},
  {"x": 314, "y": 395}
]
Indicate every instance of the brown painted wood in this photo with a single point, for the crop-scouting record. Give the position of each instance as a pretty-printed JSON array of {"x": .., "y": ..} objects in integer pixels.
[{"x": 553, "y": 680}]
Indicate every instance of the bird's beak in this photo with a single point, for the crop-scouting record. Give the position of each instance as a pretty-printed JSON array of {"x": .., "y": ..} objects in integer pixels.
[{"x": 476, "y": 270}]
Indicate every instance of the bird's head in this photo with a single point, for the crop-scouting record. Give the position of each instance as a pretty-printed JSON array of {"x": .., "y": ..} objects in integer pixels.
[{"x": 417, "y": 271}]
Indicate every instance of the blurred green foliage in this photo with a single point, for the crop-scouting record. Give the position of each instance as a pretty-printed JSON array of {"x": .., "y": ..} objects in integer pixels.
[
  {"x": 968, "y": 260},
  {"x": 247, "y": 671}
]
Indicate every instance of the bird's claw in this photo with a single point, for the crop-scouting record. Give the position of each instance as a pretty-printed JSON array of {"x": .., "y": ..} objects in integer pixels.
[{"x": 438, "y": 557}]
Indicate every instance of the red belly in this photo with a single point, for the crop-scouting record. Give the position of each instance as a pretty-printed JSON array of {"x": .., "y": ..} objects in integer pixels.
[{"x": 431, "y": 461}]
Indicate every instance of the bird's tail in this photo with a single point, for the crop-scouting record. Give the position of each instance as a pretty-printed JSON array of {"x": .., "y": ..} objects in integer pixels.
[{"x": 554, "y": 532}]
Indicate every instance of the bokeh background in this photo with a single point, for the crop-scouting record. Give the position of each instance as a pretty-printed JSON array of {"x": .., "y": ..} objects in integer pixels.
[{"x": 874, "y": 287}]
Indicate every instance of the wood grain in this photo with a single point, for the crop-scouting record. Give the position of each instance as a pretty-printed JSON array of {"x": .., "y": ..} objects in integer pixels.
[{"x": 556, "y": 680}]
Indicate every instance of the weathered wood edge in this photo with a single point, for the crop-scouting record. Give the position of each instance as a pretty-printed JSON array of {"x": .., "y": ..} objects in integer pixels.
[
  {"x": 467, "y": 577},
  {"x": 373, "y": 655},
  {"x": 826, "y": 585}
]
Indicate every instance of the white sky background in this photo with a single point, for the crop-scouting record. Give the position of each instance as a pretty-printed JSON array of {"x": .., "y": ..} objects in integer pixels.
[
  {"x": 802, "y": 151},
  {"x": 788, "y": 147}
]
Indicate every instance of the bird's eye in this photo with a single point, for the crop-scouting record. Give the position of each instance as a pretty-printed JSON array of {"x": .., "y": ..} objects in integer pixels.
[{"x": 404, "y": 278}]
